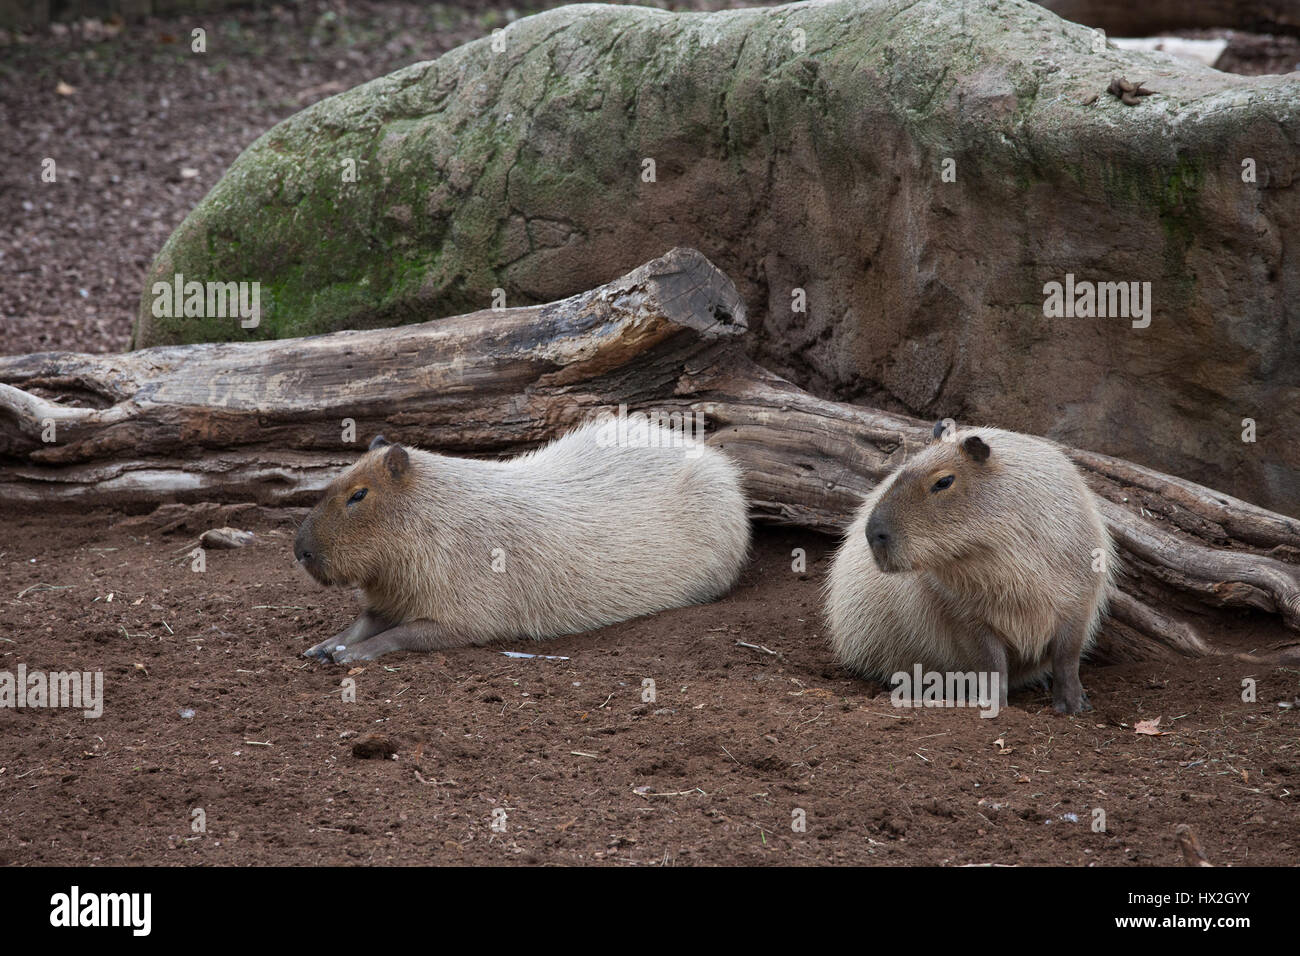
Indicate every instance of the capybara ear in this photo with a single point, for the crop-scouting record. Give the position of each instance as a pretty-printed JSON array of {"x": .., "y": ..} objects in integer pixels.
[
  {"x": 379, "y": 441},
  {"x": 397, "y": 460},
  {"x": 974, "y": 447}
]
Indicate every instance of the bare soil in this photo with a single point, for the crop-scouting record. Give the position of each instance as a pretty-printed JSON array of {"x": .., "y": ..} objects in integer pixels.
[{"x": 567, "y": 758}]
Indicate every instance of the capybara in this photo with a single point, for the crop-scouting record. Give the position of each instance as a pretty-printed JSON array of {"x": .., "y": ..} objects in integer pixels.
[
  {"x": 983, "y": 552},
  {"x": 581, "y": 533}
]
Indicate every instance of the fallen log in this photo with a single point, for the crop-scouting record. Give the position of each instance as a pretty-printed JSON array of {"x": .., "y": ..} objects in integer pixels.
[{"x": 273, "y": 421}]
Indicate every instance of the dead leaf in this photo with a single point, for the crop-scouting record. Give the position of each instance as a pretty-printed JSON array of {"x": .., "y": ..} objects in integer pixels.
[
  {"x": 1002, "y": 746},
  {"x": 814, "y": 692},
  {"x": 1150, "y": 728},
  {"x": 63, "y": 89},
  {"x": 355, "y": 671}
]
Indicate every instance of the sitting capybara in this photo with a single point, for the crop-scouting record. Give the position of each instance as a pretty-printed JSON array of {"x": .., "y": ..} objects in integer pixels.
[
  {"x": 983, "y": 552},
  {"x": 578, "y": 534}
]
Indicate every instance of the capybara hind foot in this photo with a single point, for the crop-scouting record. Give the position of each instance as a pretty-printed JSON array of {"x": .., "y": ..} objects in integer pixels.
[
  {"x": 366, "y": 626},
  {"x": 1070, "y": 700},
  {"x": 412, "y": 636}
]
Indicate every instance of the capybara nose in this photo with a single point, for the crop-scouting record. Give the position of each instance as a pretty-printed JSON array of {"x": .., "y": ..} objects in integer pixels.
[
  {"x": 301, "y": 555},
  {"x": 877, "y": 536}
]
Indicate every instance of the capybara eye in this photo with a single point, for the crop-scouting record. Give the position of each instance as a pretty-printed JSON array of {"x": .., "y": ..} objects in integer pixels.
[
  {"x": 357, "y": 496},
  {"x": 944, "y": 482}
]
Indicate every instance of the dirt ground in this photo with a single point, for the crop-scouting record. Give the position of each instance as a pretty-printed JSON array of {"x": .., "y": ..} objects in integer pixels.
[{"x": 714, "y": 771}]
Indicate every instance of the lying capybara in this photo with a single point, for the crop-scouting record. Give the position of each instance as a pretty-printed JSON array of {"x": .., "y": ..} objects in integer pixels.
[
  {"x": 581, "y": 533},
  {"x": 984, "y": 552}
]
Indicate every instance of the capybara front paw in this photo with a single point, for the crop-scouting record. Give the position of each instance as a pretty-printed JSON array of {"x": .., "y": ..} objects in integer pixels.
[{"x": 322, "y": 652}]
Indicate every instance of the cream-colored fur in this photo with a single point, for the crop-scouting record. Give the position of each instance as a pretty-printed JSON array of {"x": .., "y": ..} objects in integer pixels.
[
  {"x": 583, "y": 536},
  {"x": 1015, "y": 553}
]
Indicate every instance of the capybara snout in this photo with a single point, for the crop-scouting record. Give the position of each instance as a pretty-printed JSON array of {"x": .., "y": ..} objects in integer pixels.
[
  {"x": 880, "y": 540},
  {"x": 305, "y": 551}
]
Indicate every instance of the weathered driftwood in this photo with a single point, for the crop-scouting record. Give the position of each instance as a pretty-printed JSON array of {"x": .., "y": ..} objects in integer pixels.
[{"x": 265, "y": 421}]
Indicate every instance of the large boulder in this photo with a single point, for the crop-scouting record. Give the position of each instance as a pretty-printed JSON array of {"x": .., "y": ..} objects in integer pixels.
[{"x": 918, "y": 172}]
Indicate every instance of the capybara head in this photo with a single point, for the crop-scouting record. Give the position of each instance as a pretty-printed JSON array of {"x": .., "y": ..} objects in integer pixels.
[
  {"x": 939, "y": 507},
  {"x": 346, "y": 536}
]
